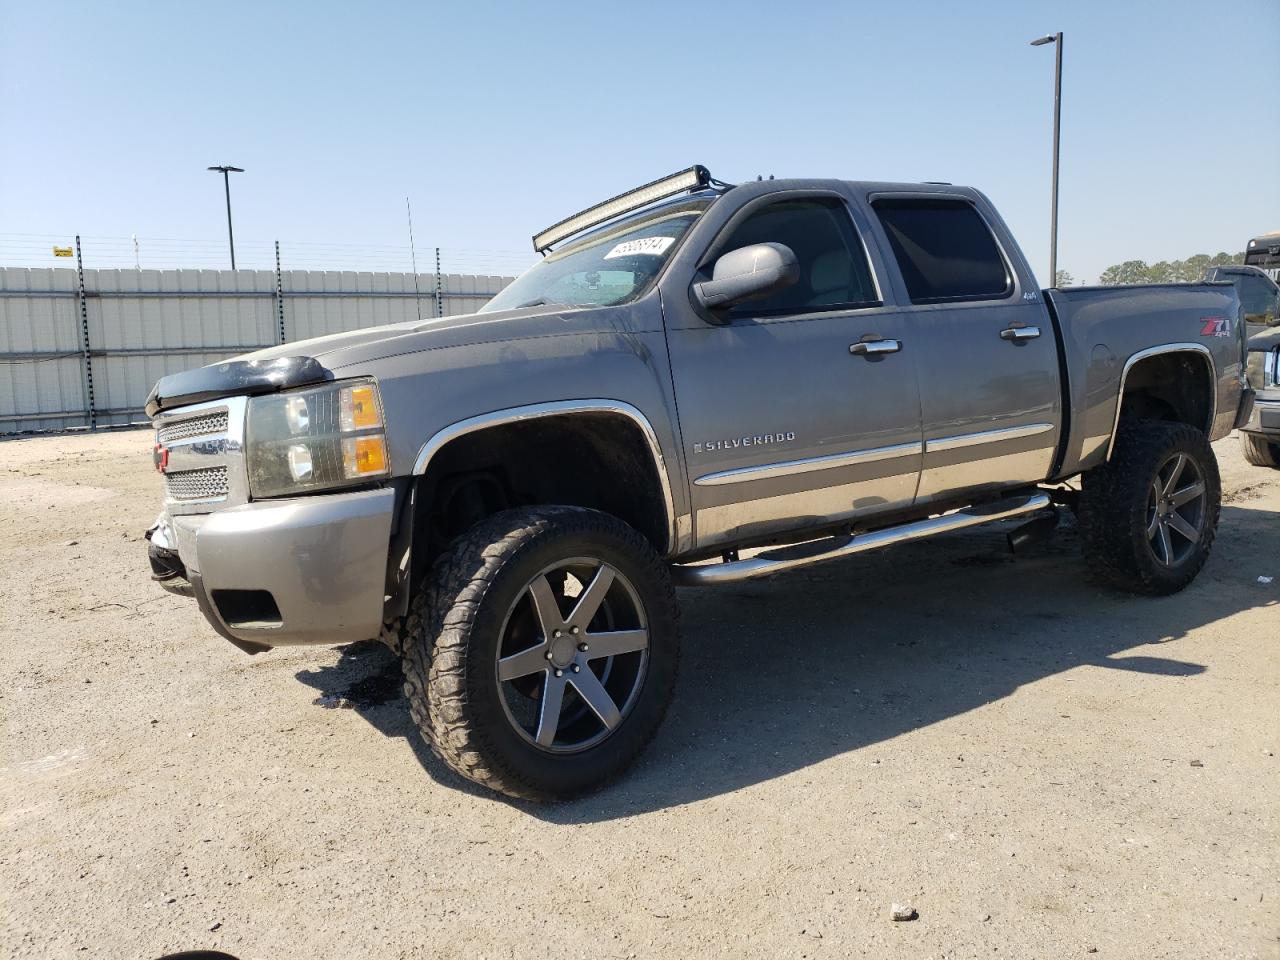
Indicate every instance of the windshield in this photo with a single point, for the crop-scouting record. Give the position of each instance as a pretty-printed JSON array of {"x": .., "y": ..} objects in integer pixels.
[{"x": 610, "y": 266}]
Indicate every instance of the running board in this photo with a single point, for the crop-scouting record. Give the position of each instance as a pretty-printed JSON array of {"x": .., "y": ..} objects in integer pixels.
[{"x": 814, "y": 551}]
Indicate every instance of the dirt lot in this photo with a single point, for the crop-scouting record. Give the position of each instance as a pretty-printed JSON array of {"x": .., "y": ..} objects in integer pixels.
[{"x": 1041, "y": 767}]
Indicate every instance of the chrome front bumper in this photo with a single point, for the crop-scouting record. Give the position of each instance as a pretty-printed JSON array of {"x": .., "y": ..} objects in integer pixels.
[{"x": 275, "y": 573}]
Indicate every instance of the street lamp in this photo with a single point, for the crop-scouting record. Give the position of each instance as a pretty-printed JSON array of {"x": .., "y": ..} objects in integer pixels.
[
  {"x": 226, "y": 183},
  {"x": 1056, "y": 39}
]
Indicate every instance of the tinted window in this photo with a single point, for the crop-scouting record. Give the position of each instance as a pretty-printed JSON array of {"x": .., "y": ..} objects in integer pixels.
[
  {"x": 944, "y": 250},
  {"x": 833, "y": 266},
  {"x": 1258, "y": 299}
]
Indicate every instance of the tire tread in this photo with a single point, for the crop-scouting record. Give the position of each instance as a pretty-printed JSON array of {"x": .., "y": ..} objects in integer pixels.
[
  {"x": 1107, "y": 507},
  {"x": 1260, "y": 451},
  {"x": 438, "y": 625}
]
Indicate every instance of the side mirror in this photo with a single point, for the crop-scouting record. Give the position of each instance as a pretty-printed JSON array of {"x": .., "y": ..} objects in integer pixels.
[{"x": 748, "y": 273}]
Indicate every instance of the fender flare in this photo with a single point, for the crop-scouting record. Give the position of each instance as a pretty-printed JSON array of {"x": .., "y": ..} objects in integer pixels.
[
  {"x": 1197, "y": 349},
  {"x": 554, "y": 408}
]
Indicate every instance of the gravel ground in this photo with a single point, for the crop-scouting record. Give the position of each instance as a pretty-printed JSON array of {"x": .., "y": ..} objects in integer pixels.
[{"x": 1039, "y": 766}]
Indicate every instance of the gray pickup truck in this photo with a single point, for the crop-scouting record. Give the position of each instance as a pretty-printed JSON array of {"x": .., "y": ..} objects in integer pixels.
[{"x": 699, "y": 383}]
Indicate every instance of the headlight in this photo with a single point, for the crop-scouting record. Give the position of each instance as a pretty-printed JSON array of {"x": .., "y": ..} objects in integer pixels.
[{"x": 317, "y": 439}]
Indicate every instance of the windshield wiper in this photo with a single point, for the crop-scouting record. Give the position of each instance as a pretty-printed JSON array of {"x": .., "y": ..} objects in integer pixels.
[{"x": 535, "y": 302}]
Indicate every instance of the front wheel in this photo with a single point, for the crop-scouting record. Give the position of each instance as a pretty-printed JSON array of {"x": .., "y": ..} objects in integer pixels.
[
  {"x": 542, "y": 658},
  {"x": 1148, "y": 517}
]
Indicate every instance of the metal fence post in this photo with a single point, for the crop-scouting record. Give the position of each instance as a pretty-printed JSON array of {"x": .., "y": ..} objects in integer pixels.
[
  {"x": 90, "y": 407},
  {"x": 279, "y": 294},
  {"x": 439, "y": 298}
]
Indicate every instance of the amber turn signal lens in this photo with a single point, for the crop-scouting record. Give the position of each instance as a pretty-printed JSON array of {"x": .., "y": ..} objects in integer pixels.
[
  {"x": 359, "y": 408},
  {"x": 364, "y": 457}
]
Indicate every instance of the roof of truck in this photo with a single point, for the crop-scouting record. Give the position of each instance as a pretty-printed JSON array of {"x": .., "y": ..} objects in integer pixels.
[{"x": 864, "y": 188}]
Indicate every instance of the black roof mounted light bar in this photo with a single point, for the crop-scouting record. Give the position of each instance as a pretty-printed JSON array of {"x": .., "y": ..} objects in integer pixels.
[{"x": 693, "y": 178}]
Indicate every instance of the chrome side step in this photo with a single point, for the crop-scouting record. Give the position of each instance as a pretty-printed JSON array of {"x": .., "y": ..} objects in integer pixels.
[{"x": 814, "y": 551}]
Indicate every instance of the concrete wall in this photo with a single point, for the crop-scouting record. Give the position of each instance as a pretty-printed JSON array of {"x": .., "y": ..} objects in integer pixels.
[{"x": 143, "y": 324}]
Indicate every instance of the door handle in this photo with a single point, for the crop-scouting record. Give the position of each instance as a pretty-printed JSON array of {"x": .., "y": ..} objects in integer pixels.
[
  {"x": 874, "y": 348},
  {"x": 1019, "y": 334}
]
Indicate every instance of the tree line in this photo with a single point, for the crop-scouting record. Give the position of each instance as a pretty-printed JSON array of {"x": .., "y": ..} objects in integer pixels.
[{"x": 1189, "y": 270}]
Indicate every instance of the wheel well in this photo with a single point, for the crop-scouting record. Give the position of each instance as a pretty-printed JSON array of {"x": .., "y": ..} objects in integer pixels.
[
  {"x": 593, "y": 459},
  {"x": 1176, "y": 387}
]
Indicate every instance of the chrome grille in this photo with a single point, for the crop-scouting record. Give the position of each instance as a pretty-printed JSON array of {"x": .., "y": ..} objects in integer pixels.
[
  {"x": 193, "y": 427},
  {"x": 203, "y": 456},
  {"x": 206, "y": 484}
]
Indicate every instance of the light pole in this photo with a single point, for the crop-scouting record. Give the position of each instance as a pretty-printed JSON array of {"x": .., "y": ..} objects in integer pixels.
[
  {"x": 1056, "y": 40},
  {"x": 226, "y": 183}
]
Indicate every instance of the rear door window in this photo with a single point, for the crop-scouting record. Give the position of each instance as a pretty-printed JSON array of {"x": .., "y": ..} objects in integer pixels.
[{"x": 944, "y": 249}]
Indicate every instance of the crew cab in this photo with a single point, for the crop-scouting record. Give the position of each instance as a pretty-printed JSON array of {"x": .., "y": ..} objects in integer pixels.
[{"x": 699, "y": 383}]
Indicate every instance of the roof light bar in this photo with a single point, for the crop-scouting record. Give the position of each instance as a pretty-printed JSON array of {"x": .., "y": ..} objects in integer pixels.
[{"x": 691, "y": 179}]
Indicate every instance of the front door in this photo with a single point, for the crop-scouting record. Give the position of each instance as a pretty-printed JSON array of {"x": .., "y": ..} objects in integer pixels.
[{"x": 800, "y": 409}]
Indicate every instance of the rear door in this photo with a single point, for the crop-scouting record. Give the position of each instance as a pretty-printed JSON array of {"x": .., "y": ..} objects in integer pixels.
[
  {"x": 990, "y": 390},
  {"x": 784, "y": 427}
]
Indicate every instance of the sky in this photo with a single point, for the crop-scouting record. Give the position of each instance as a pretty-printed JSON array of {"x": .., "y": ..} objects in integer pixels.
[{"x": 498, "y": 119}]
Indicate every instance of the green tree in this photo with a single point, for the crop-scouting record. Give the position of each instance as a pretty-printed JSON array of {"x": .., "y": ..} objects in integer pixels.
[
  {"x": 1131, "y": 271},
  {"x": 1193, "y": 268},
  {"x": 1190, "y": 270},
  {"x": 1063, "y": 279}
]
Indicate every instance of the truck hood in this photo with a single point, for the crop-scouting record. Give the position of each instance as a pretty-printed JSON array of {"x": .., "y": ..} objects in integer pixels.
[
  {"x": 320, "y": 358},
  {"x": 339, "y": 349}
]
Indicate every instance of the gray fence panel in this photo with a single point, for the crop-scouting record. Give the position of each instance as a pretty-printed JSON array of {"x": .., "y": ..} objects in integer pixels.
[
  {"x": 37, "y": 333},
  {"x": 476, "y": 291},
  {"x": 200, "y": 312},
  {"x": 144, "y": 324},
  {"x": 381, "y": 298}
]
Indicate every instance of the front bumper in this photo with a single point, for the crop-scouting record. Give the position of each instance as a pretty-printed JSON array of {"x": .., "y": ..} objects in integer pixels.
[
  {"x": 1265, "y": 418},
  {"x": 310, "y": 570}
]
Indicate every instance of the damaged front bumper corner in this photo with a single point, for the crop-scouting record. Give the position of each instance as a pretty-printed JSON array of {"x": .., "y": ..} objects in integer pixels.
[
  {"x": 167, "y": 568},
  {"x": 307, "y": 570}
]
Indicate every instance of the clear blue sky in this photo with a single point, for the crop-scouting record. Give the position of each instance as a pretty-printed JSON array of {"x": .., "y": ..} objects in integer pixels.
[{"x": 498, "y": 119}]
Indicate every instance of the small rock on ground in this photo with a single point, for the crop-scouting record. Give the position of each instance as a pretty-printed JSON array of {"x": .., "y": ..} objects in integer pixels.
[{"x": 903, "y": 912}]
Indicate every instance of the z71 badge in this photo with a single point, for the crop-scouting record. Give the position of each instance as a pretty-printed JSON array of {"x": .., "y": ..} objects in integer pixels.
[{"x": 1215, "y": 327}]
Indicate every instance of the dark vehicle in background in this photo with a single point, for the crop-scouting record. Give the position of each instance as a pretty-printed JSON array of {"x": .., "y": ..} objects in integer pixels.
[
  {"x": 1259, "y": 294},
  {"x": 1264, "y": 253},
  {"x": 1260, "y": 299}
]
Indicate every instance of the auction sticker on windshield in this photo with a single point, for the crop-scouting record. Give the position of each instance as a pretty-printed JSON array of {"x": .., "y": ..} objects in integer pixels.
[{"x": 645, "y": 246}]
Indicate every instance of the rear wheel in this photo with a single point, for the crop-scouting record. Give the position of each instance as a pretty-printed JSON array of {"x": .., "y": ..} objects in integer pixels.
[
  {"x": 1259, "y": 451},
  {"x": 543, "y": 656},
  {"x": 1148, "y": 517}
]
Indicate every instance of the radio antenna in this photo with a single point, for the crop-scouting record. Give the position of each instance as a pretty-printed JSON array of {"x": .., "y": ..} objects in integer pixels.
[{"x": 413, "y": 257}]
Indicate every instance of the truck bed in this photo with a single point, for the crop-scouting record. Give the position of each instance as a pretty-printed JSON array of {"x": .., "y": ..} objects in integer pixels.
[{"x": 1104, "y": 330}]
